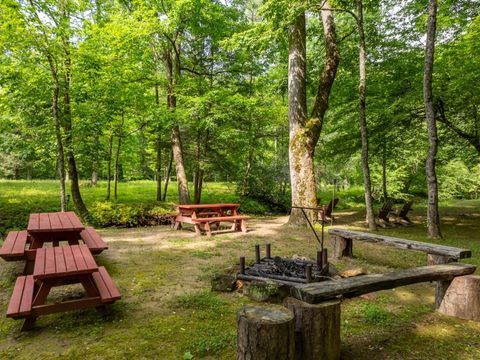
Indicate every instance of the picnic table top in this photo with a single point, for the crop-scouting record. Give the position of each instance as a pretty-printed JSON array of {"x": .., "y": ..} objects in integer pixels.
[
  {"x": 54, "y": 222},
  {"x": 62, "y": 261},
  {"x": 206, "y": 206}
]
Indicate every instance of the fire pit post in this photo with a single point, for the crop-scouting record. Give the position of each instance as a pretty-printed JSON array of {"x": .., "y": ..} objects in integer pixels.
[
  {"x": 257, "y": 254},
  {"x": 242, "y": 264},
  {"x": 268, "y": 250},
  {"x": 308, "y": 273}
]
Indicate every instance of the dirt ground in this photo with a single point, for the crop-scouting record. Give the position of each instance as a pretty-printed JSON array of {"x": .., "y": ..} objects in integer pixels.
[{"x": 168, "y": 312}]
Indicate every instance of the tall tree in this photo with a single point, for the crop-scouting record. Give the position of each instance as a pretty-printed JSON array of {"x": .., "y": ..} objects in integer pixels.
[
  {"x": 433, "y": 217},
  {"x": 304, "y": 131},
  {"x": 362, "y": 60}
]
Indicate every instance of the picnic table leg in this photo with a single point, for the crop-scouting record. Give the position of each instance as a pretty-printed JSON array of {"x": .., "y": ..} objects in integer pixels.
[
  {"x": 207, "y": 229},
  {"x": 28, "y": 323},
  {"x": 243, "y": 225},
  {"x": 198, "y": 231},
  {"x": 89, "y": 286}
]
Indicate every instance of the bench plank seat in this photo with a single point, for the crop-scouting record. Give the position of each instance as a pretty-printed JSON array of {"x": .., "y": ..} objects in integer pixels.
[
  {"x": 93, "y": 240},
  {"x": 13, "y": 247},
  {"x": 105, "y": 285},
  {"x": 435, "y": 249},
  {"x": 20, "y": 304},
  {"x": 315, "y": 293},
  {"x": 220, "y": 218}
]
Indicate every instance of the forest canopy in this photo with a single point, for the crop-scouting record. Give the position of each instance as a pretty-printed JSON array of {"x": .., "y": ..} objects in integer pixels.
[{"x": 198, "y": 90}]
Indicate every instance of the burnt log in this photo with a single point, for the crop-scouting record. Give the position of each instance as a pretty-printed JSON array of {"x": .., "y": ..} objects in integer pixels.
[
  {"x": 462, "y": 298},
  {"x": 317, "y": 329},
  {"x": 265, "y": 332}
]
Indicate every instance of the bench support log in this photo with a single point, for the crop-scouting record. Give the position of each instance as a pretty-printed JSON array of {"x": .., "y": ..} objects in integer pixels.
[
  {"x": 317, "y": 329},
  {"x": 341, "y": 247},
  {"x": 440, "y": 286},
  {"x": 265, "y": 332},
  {"x": 462, "y": 298}
]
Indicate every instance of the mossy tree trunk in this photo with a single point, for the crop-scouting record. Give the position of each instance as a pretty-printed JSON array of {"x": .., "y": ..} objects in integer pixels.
[{"x": 304, "y": 131}]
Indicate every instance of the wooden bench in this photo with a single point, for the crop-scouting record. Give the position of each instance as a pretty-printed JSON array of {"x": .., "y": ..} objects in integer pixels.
[
  {"x": 93, "y": 240},
  {"x": 238, "y": 221},
  {"x": 342, "y": 244},
  {"x": 105, "y": 285},
  {"x": 314, "y": 293},
  {"x": 20, "y": 304},
  {"x": 13, "y": 247}
]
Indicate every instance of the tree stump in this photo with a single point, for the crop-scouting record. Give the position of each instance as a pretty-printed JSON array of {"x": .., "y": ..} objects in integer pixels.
[
  {"x": 462, "y": 298},
  {"x": 317, "y": 329},
  {"x": 440, "y": 286},
  {"x": 341, "y": 247},
  {"x": 265, "y": 332}
]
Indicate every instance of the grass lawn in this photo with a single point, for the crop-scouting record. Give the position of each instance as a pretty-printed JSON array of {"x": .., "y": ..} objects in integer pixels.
[{"x": 167, "y": 310}]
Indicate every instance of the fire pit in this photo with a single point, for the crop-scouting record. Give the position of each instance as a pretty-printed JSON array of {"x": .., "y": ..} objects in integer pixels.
[
  {"x": 289, "y": 271},
  {"x": 283, "y": 270}
]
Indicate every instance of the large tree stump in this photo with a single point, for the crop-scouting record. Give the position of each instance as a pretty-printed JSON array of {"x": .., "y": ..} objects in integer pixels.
[
  {"x": 317, "y": 329},
  {"x": 265, "y": 332},
  {"x": 462, "y": 298},
  {"x": 341, "y": 247},
  {"x": 440, "y": 286}
]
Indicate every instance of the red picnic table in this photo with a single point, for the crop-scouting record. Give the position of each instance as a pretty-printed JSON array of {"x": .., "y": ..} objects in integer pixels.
[
  {"x": 201, "y": 216},
  {"x": 58, "y": 266},
  {"x": 49, "y": 227}
]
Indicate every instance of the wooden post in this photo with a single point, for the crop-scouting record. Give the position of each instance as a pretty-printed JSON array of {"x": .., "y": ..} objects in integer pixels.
[
  {"x": 265, "y": 332},
  {"x": 440, "y": 286},
  {"x": 317, "y": 329},
  {"x": 462, "y": 298},
  {"x": 341, "y": 247}
]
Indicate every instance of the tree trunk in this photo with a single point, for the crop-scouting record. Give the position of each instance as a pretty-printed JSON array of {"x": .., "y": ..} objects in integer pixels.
[
  {"x": 265, "y": 332},
  {"x": 317, "y": 329},
  {"x": 109, "y": 166},
  {"x": 67, "y": 121},
  {"x": 433, "y": 217},
  {"x": 304, "y": 134},
  {"x": 172, "y": 67},
  {"x": 167, "y": 177},
  {"x": 96, "y": 145},
  {"x": 384, "y": 172},
  {"x": 117, "y": 156},
  {"x": 158, "y": 167},
  {"x": 362, "y": 119},
  {"x": 58, "y": 134}
]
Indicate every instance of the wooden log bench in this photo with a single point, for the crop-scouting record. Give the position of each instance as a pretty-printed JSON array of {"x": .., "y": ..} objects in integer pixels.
[
  {"x": 93, "y": 240},
  {"x": 342, "y": 245},
  {"x": 239, "y": 222},
  {"x": 13, "y": 247}
]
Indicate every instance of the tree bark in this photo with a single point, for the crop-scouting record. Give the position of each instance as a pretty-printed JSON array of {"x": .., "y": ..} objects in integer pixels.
[
  {"x": 384, "y": 172},
  {"x": 67, "y": 124},
  {"x": 58, "y": 134},
  {"x": 304, "y": 134},
  {"x": 362, "y": 118},
  {"x": 172, "y": 67},
  {"x": 265, "y": 332},
  {"x": 96, "y": 145},
  {"x": 167, "y": 177},
  {"x": 158, "y": 167},
  {"x": 433, "y": 217},
  {"x": 117, "y": 157},
  {"x": 109, "y": 166}
]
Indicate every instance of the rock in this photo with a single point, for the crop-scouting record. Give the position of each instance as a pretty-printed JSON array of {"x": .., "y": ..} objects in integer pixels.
[
  {"x": 353, "y": 272},
  {"x": 261, "y": 291},
  {"x": 224, "y": 283}
]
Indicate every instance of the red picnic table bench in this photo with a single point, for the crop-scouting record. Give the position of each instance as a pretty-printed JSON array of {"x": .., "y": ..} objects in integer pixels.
[
  {"x": 58, "y": 266},
  {"x": 49, "y": 227},
  {"x": 202, "y": 216}
]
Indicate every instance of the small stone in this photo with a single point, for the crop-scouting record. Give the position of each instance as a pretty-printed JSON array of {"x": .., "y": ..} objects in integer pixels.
[
  {"x": 224, "y": 283},
  {"x": 300, "y": 257},
  {"x": 353, "y": 272}
]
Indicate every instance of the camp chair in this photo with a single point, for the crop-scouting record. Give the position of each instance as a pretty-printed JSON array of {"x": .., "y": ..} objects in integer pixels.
[
  {"x": 401, "y": 214},
  {"x": 384, "y": 213},
  {"x": 328, "y": 210}
]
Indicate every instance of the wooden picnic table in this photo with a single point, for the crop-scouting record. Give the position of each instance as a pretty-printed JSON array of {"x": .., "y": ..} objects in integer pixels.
[
  {"x": 54, "y": 227},
  {"x": 201, "y": 216},
  {"x": 58, "y": 266}
]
